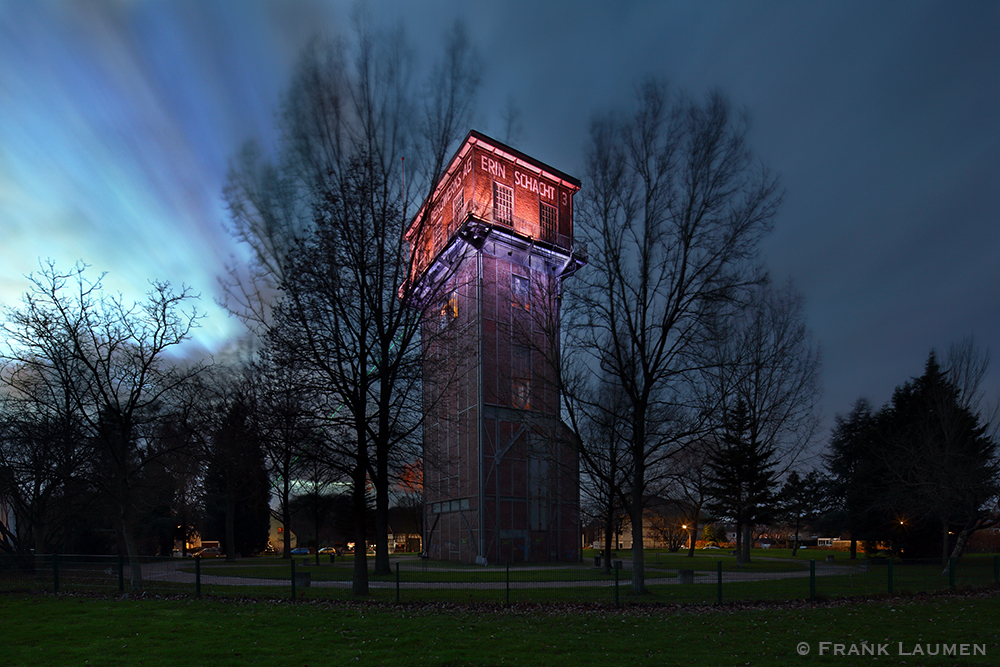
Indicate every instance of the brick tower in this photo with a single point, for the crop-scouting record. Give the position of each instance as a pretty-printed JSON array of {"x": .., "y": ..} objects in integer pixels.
[{"x": 492, "y": 246}]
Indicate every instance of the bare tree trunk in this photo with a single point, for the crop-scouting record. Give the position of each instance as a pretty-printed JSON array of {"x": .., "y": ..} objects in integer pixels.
[
  {"x": 962, "y": 540},
  {"x": 135, "y": 568},
  {"x": 359, "y": 586},
  {"x": 747, "y": 542},
  {"x": 609, "y": 535},
  {"x": 635, "y": 514},
  {"x": 693, "y": 533},
  {"x": 944, "y": 545},
  {"x": 382, "y": 511},
  {"x": 230, "y": 544},
  {"x": 795, "y": 538},
  {"x": 286, "y": 517}
]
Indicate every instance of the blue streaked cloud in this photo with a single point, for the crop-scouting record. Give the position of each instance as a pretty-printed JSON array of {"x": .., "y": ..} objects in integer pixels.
[{"x": 118, "y": 119}]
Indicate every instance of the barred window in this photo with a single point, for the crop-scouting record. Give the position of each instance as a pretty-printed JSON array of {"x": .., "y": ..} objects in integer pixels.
[
  {"x": 503, "y": 204},
  {"x": 521, "y": 376},
  {"x": 458, "y": 210},
  {"x": 548, "y": 218},
  {"x": 437, "y": 229},
  {"x": 520, "y": 290}
]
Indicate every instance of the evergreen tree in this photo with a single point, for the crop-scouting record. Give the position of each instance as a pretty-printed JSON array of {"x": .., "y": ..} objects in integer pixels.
[
  {"x": 801, "y": 501},
  {"x": 940, "y": 464},
  {"x": 854, "y": 475},
  {"x": 921, "y": 473},
  {"x": 742, "y": 478}
]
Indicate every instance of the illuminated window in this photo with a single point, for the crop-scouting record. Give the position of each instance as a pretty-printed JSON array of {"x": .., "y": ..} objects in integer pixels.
[
  {"x": 449, "y": 310},
  {"x": 503, "y": 204},
  {"x": 548, "y": 217},
  {"x": 458, "y": 209},
  {"x": 438, "y": 230},
  {"x": 521, "y": 376},
  {"x": 520, "y": 289}
]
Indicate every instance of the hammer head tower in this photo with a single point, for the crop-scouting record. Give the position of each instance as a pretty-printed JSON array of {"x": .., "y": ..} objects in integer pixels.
[{"x": 490, "y": 248}]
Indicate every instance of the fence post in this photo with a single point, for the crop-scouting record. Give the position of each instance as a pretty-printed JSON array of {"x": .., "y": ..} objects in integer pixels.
[
  {"x": 197, "y": 576},
  {"x": 812, "y": 579},
  {"x": 996, "y": 569},
  {"x": 719, "y": 579},
  {"x": 618, "y": 564},
  {"x": 397, "y": 582},
  {"x": 508, "y": 584},
  {"x": 55, "y": 573},
  {"x": 293, "y": 577},
  {"x": 952, "y": 562},
  {"x": 890, "y": 575},
  {"x": 121, "y": 574}
]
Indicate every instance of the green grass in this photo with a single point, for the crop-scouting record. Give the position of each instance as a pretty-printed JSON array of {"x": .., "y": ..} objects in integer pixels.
[
  {"x": 51, "y": 630},
  {"x": 440, "y": 582}
]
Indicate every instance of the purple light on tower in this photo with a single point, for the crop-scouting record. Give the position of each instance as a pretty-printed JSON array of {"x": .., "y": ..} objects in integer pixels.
[{"x": 492, "y": 246}]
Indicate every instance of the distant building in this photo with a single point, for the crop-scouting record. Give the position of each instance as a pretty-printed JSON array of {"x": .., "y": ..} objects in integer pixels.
[
  {"x": 276, "y": 534},
  {"x": 492, "y": 245},
  {"x": 404, "y": 531},
  {"x": 664, "y": 526}
]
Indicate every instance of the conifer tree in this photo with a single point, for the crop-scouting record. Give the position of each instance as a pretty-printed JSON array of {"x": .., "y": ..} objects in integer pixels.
[{"x": 742, "y": 478}]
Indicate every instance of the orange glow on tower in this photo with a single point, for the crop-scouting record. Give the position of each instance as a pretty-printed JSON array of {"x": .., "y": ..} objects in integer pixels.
[{"x": 491, "y": 247}]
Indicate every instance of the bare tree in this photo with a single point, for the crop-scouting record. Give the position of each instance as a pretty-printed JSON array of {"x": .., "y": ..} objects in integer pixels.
[
  {"x": 603, "y": 442},
  {"x": 967, "y": 366},
  {"x": 352, "y": 114},
  {"x": 674, "y": 209},
  {"x": 43, "y": 461},
  {"x": 688, "y": 483},
  {"x": 764, "y": 358},
  {"x": 107, "y": 358},
  {"x": 288, "y": 422}
]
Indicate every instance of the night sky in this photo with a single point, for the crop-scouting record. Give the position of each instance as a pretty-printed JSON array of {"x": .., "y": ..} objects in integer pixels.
[{"x": 118, "y": 120}]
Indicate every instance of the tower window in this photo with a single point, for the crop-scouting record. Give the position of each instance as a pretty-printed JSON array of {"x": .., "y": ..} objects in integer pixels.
[
  {"x": 458, "y": 209},
  {"x": 521, "y": 376},
  {"x": 520, "y": 289},
  {"x": 449, "y": 310},
  {"x": 548, "y": 218},
  {"x": 503, "y": 204}
]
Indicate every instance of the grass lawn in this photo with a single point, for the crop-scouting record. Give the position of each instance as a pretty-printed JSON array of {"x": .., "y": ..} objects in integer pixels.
[
  {"x": 51, "y": 630},
  {"x": 773, "y": 575}
]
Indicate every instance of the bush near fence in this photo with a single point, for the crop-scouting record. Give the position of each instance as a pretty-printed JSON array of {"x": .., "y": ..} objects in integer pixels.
[{"x": 707, "y": 580}]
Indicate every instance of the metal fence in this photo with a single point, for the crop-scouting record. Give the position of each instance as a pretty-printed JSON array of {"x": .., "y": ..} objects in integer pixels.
[{"x": 416, "y": 580}]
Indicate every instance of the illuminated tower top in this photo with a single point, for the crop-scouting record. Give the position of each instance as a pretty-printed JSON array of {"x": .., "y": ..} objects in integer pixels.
[{"x": 489, "y": 186}]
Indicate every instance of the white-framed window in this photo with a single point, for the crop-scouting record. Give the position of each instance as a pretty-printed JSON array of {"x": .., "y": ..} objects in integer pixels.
[
  {"x": 548, "y": 221},
  {"x": 503, "y": 204}
]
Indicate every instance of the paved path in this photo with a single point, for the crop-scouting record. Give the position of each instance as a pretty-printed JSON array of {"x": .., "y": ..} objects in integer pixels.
[{"x": 172, "y": 572}]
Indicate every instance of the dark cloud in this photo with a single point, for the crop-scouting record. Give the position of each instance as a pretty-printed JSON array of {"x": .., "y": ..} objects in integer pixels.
[{"x": 117, "y": 121}]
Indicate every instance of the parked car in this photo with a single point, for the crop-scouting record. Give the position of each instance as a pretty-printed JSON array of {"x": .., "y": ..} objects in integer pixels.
[
  {"x": 300, "y": 551},
  {"x": 211, "y": 552},
  {"x": 328, "y": 550}
]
